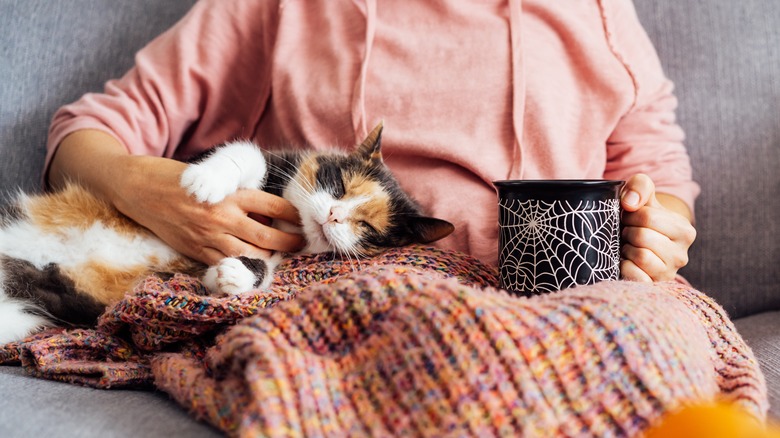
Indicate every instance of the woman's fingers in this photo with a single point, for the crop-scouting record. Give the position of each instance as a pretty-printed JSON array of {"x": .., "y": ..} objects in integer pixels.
[
  {"x": 236, "y": 213},
  {"x": 264, "y": 236},
  {"x": 217, "y": 243},
  {"x": 654, "y": 253},
  {"x": 638, "y": 192},
  {"x": 266, "y": 204},
  {"x": 209, "y": 256},
  {"x": 229, "y": 247},
  {"x": 630, "y": 271},
  {"x": 656, "y": 239},
  {"x": 671, "y": 225},
  {"x": 648, "y": 261}
]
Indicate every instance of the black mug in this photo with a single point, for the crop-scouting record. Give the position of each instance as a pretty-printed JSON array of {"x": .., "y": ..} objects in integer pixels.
[{"x": 556, "y": 234}]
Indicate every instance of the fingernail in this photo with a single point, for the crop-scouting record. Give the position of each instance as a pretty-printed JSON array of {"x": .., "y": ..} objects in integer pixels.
[{"x": 631, "y": 198}]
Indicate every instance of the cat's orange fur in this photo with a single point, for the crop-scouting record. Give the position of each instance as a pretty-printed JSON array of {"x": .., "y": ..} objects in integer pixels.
[
  {"x": 74, "y": 207},
  {"x": 375, "y": 209}
]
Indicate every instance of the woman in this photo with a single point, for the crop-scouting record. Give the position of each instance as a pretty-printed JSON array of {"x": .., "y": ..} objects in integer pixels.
[{"x": 470, "y": 92}]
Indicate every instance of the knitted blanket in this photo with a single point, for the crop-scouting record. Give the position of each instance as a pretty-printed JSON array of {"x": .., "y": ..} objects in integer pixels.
[{"x": 415, "y": 342}]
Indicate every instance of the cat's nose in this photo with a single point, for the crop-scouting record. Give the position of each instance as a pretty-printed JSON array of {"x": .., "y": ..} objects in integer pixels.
[{"x": 337, "y": 214}]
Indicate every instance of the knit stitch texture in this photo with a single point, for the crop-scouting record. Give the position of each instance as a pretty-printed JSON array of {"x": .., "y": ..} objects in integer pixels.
[{"x": 415, "y": 342}]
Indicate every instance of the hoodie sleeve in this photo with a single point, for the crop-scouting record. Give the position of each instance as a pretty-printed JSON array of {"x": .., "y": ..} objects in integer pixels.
[
  {"x": 647, "y": 139},
  {"x": 201, "y": 82}
]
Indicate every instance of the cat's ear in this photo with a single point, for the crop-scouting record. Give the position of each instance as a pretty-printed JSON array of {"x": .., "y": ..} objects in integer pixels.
[
  {"x": 423, "y": 229},
  {"x": 371, "y": 148}
]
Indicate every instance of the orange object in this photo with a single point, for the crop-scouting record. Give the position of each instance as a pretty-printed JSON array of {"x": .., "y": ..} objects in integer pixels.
[{"x": 714, "y": 420}]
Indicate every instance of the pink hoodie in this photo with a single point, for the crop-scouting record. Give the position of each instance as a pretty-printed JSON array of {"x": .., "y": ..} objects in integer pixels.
[{"x": 469, "y": 91}]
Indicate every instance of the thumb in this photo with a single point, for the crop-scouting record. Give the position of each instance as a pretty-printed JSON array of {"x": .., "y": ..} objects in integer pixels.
[{"x": 638, "y": 192}]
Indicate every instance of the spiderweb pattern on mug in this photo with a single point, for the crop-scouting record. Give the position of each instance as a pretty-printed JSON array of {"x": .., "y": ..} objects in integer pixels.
[{"x": 549, "y": 246}]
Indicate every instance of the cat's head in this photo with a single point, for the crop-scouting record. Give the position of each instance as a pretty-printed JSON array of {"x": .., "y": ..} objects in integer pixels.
[{"x": 352, "y": 205}]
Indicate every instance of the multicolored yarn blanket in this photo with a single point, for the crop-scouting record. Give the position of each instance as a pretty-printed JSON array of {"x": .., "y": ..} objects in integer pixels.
[{"x": 414, "y": 342}]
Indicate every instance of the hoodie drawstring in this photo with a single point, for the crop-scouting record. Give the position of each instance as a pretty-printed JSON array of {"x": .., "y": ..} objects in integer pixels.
[
  {"x": 359, "y": 90},
  {"x": 518, "y": 87}
]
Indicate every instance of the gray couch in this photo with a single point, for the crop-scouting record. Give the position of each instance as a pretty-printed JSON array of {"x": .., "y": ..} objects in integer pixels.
[{"x": 723, "y": 55}]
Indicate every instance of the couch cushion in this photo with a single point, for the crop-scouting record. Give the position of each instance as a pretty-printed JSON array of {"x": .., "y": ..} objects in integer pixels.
[
  {"x": 723, "y": 57},
  {"x": 33, "y": 407},
  {"x": 762, "y": 334},
  {"x": 52, "y": 52}
]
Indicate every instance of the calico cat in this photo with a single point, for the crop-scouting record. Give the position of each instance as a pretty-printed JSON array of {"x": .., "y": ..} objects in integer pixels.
[{"x": 65, "y": 256}]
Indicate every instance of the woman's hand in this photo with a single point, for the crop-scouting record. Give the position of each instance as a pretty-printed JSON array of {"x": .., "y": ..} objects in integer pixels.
[
  {"x": 151, "y": 194},
  {"x": 147, "y": 190},
  {"x": 657, "y": 232}
]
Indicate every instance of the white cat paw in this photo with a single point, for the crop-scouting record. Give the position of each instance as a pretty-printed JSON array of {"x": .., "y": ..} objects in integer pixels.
[
  {"x": 230, "y": 167},
  {"x": 207, "y": 184},
  {"x": 230, "y": 277}
]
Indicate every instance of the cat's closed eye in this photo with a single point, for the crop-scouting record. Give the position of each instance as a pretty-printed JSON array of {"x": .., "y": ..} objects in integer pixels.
[{"x": 366, "y": 224}]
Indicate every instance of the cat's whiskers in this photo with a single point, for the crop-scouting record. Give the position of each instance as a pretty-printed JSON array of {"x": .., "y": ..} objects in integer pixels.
[
  {"x": 349, "y": 259},
  {"x": 309, "y": 188},
  {"x": 302, "y": 200},
  {"x": 342, "y": 254},
  {"x": 358, "y": 258},
  {"x": 279, "y": 156},
  {"x": 353, "y": 251},
  {"x": 358, "y": 255},
  {"x": 348, "y": 255}
]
